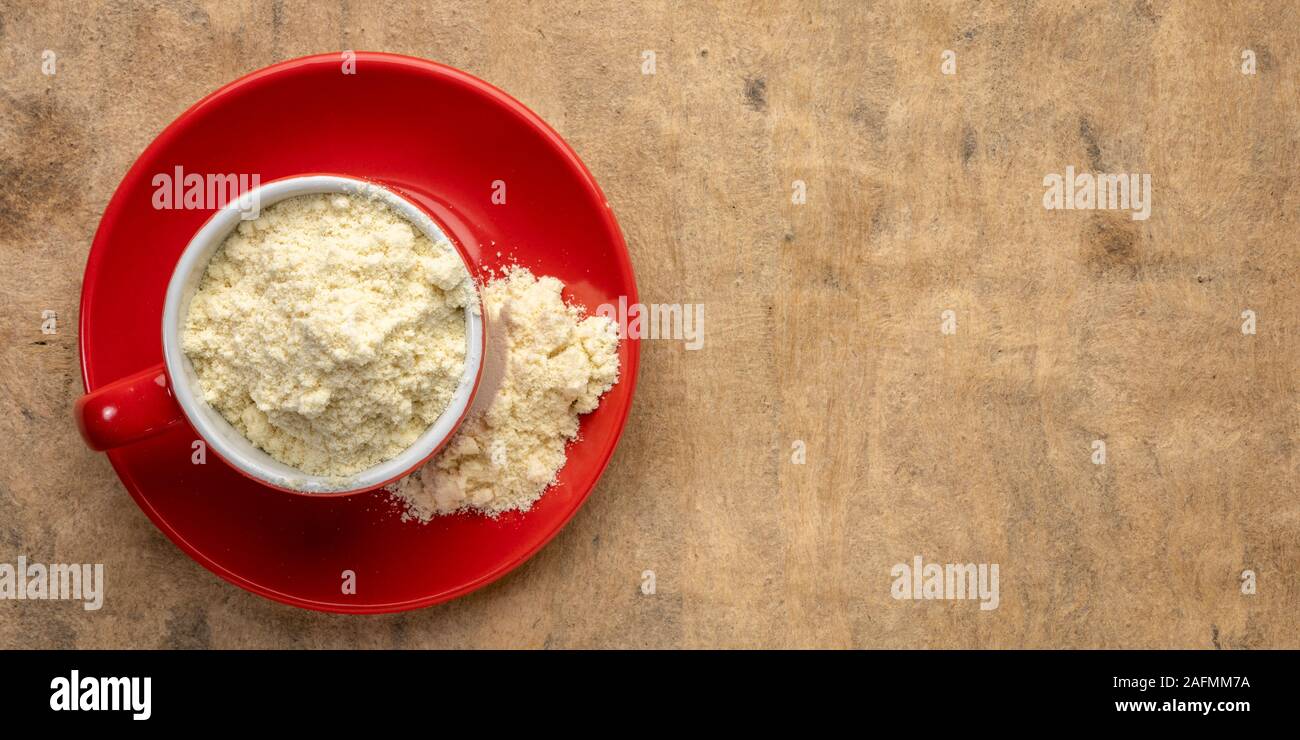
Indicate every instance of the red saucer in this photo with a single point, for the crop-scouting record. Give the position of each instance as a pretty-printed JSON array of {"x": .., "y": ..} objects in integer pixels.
[{"x": 442, "y": 137}]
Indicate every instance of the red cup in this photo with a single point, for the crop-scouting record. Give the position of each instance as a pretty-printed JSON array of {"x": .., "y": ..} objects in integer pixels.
[{"x": 152, "y": 401}]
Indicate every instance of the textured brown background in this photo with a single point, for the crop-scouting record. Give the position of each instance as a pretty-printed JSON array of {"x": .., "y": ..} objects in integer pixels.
[{"x": 924, "y": 194}]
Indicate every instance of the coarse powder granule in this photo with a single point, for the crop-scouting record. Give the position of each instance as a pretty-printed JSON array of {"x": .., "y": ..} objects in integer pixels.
[
  {"x": 330, "y": 331},
  {"x": 558, "y": 364}
]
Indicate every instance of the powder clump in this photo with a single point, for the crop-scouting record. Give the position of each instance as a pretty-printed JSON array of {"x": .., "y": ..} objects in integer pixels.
[
  {"x": 330, "y": 331},
  {"x": 558, "y": 364}
]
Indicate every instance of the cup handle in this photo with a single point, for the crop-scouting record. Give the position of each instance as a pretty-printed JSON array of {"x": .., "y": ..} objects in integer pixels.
[{"x": 136, "y": 407}]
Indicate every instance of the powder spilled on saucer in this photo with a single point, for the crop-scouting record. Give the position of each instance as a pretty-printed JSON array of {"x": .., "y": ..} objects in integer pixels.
[{"x": 558, "y": 365}]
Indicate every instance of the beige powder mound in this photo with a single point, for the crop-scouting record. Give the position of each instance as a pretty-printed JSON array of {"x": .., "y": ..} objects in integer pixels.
[
  {"x": 558, "y": 365},
  {"x": 330, "y": 331}
]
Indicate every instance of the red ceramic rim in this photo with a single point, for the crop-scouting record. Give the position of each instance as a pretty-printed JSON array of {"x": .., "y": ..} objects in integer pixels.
[{"x": 623, "y": 263}]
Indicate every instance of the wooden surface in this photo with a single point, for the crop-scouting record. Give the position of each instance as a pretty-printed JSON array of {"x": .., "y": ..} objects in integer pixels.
[{"x": 822, "y": 320}]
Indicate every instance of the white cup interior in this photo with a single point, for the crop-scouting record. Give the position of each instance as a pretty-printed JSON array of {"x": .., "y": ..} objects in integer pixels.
[{"x": 227, "y": 441}]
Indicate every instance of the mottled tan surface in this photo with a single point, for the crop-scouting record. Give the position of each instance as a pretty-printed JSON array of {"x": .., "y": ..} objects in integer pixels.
[{"x": 924, "y": 195}]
